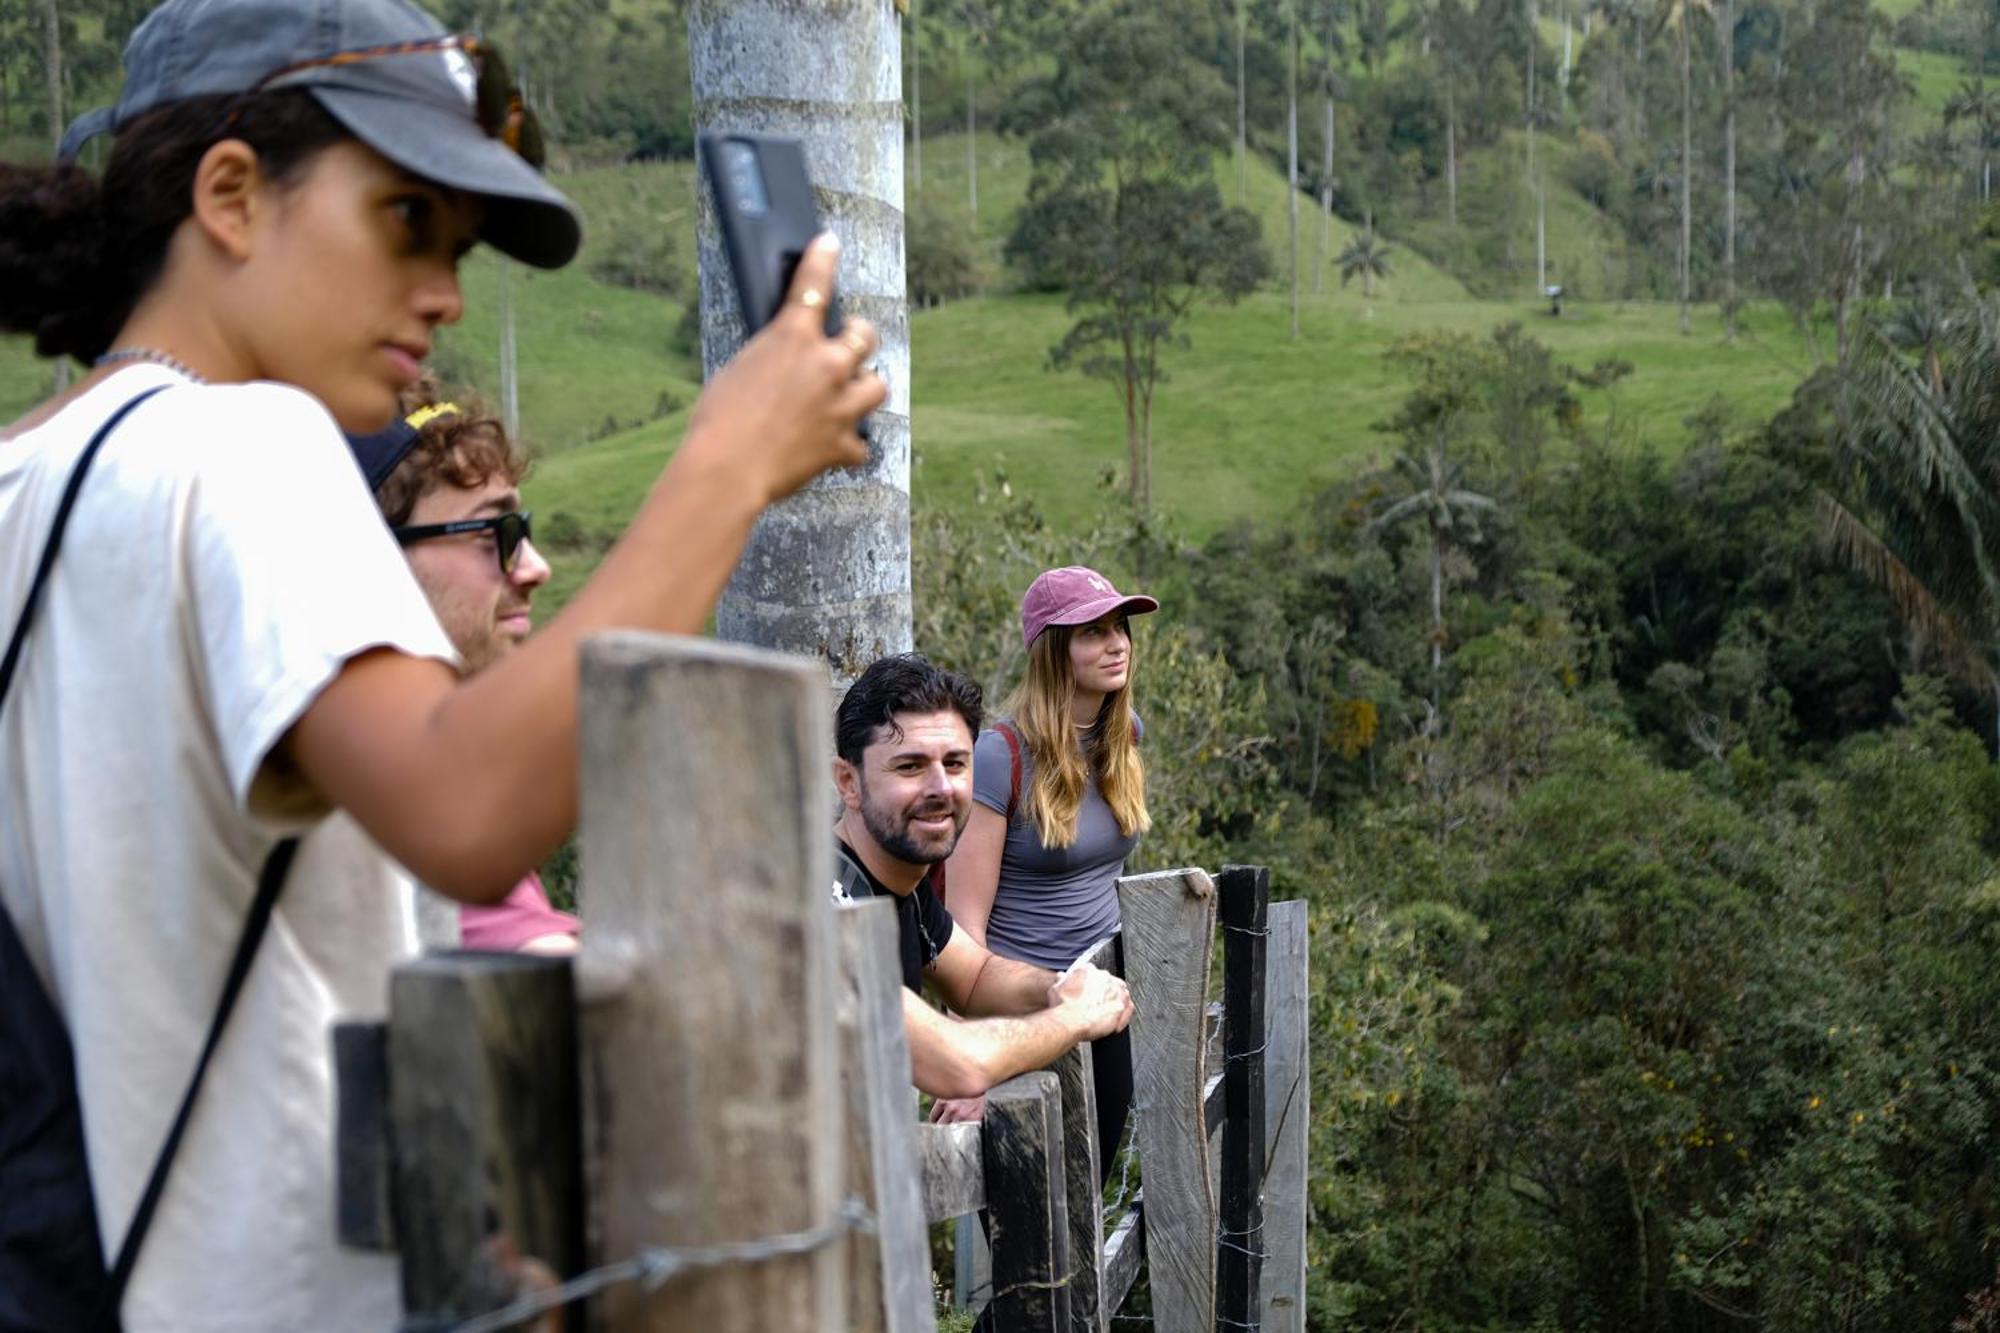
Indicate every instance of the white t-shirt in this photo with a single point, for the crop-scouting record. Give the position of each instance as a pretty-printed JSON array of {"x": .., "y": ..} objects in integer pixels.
[{"x": 224, "y": 560}]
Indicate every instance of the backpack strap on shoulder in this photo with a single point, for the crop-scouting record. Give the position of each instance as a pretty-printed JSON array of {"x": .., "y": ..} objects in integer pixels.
[
  {"x": 1008, "y": 734},
  {"x": 63, "y": 506},
  {"x": 850, "y": 881}
]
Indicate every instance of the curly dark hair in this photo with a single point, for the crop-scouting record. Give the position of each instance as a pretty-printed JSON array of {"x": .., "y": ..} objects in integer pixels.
[
  {"x": 77, "y": 252},
  {"x": 904, "y": 683},
  {"x": 465, "y": 449}
]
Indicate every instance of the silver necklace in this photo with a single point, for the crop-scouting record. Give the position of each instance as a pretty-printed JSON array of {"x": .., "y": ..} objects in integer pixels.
[{"x": 118, "y": 355}]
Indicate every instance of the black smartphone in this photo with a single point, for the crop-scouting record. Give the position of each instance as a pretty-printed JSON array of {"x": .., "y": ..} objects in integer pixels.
[{"x": 763, "y": 199}]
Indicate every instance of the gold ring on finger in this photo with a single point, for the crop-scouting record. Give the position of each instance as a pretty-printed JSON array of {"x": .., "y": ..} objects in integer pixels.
[
  {"x": 856, "y": 343},
  {"x": 811, "y": 298}
]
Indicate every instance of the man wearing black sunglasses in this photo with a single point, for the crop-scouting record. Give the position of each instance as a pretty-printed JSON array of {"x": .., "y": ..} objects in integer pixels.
[{"x": 448, "y": 482}]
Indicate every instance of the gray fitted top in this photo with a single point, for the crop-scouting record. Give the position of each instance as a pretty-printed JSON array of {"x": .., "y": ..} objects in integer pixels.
[{"x": 1051, "y": 904}]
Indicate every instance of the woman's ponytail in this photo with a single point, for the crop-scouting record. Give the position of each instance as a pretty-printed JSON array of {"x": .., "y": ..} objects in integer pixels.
[
  {"x": 52, "y": 246},
  {"x": 77, "y": 253}
]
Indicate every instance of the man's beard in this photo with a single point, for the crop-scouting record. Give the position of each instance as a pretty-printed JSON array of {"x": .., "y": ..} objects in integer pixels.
[{"x": 893, "y": 835}]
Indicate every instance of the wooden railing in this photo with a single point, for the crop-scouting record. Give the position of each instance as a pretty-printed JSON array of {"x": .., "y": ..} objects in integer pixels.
[{"x": 707, "y": 1123}]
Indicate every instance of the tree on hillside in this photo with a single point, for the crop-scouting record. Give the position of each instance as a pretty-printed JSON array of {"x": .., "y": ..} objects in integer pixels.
[
  {"x": 1123, "y": 211},
  {"x": 1829, "y": 211},
  {"x": 827, "y": 571},
  {"x": 1366, "y": 258}
]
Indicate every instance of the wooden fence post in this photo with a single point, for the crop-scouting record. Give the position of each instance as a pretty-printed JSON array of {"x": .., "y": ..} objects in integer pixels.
[
  {"x": 1288, "y": 1118},
  {"x": 713, "y": 1096},
  {"x": 1078, "y": 1080},
  {"x": 1027, "y": 1205},
  {"x": 1169, "y": 928},
  {"x": 889, "y": 1272},
  {"x": 1245, "y": 897},
  {"x": 484, "y": 1130}
]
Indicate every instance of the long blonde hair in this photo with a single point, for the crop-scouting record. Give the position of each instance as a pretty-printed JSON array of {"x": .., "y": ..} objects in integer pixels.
[{"x": 1040, "y": 708}]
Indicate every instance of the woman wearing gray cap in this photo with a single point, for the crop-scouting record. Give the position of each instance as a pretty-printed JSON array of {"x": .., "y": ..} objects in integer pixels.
[
  {"x": 1059, "y": 795},
  {"x": 226, "y": 643}
]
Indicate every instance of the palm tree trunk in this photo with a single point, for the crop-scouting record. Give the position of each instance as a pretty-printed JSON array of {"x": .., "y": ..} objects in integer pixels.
[
  {"x": 827, "y": 572},
  {"x": 52, "y": 61},
  {"x": 52, "y": 65},
  {"x": 510, "y": 382},
  {"x": 1729, "y": 165},
  {"x": 1325, "y": 194},
  {"x": 1687, "y": 165},
  {"x": 1292, "y": 157},
  {"x": 1534, "y": 185},
  {"x": 971, "y": 134},
  {"x": 1242, "y": 116},
  {"x": 1437, "y": 621},
  {"x": 1566, "y": 45},
  {"x": 1451, "y": 150},
  {"x": 1136, "y": 480}
]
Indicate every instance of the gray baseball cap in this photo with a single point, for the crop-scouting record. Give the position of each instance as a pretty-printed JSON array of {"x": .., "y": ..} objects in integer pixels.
[{"x": 417, "y": 109}]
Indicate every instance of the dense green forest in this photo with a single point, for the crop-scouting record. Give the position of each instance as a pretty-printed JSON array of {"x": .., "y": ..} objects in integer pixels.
[{"x": 1617, "y": 675}]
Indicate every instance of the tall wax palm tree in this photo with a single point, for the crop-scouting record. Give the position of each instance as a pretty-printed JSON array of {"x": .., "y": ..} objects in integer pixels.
[
  {"x": 1915, "y": 498},
  {"x": 1449, "y": 511},
  {"x": 1726, "y": 29},
  {"x": 1979, "y": 106},
  {"x": 1326, "y": 15},
  {"x": 1366, "y": 258},
  {"x": 827, "y": 572},
  {"x": 1292, "y": 150},
  {"x": 1679, "y": 15}
]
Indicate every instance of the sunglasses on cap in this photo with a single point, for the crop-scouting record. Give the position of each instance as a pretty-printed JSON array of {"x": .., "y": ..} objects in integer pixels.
[
  {"x": 497, "y": 105},
  {"x": 509, "y": 531}
]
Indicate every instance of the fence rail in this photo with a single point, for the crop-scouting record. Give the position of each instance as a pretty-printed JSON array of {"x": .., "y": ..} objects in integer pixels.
[{"x": 706, "y": 1124}]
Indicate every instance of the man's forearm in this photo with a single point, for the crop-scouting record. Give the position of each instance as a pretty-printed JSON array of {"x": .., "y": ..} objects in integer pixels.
[
  {"x": 1007, "y": 986},
  {"x": 964, "y": 1059}
]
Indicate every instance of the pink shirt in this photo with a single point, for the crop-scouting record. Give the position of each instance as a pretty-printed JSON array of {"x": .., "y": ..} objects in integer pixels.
[{"x": 523, "y": 915}]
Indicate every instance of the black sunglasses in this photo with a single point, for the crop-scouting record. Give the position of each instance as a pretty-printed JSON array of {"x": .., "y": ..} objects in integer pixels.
[
  {"x": 497, "y": 101},
  {"x": 509, "y": 531}
]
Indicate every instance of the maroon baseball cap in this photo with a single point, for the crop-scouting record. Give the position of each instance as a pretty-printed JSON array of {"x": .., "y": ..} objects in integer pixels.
[{"x": 1074, "y": 595}]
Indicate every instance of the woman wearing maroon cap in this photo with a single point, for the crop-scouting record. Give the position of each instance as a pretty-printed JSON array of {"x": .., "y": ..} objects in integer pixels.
[{"x": 1059, "y": 794}]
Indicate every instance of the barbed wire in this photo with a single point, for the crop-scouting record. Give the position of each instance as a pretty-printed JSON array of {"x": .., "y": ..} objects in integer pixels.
[{"x": 655, "y": 1265}]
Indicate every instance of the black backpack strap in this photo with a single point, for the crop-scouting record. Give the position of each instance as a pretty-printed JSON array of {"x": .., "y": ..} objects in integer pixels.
[
  {"x": 850, "y": 881},
  {"x": 270, "y": 881},
  {"x": 63, "y": 506}
]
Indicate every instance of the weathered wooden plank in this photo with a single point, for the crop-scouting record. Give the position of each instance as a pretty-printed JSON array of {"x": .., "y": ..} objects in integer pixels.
[
  {"x": 1169, "y": 928},
  {"x": 889, "y": 1271},
  {"x": 1122, "y": 1253},
  {"x": 1288, "y": 1117},
  {"x": 714, "y": 1091},
  {"x": 364, "y": 1215},
  {"x": 1245, "y": 893},
  {"x": 485, "y": 1130},
  {"x": 1080, "y": 1181},
  {"x": 1027, "y": 1206},
  {"x": 953, "y": 1167},
  {"x": 971, "y": 1263}
]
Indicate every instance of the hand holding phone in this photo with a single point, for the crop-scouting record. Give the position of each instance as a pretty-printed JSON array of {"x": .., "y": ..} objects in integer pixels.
[{"x": 763, "y": 201}]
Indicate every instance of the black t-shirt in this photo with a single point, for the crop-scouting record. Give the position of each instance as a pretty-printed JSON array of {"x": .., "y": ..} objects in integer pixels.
[{"x": 923, "y": 927}]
